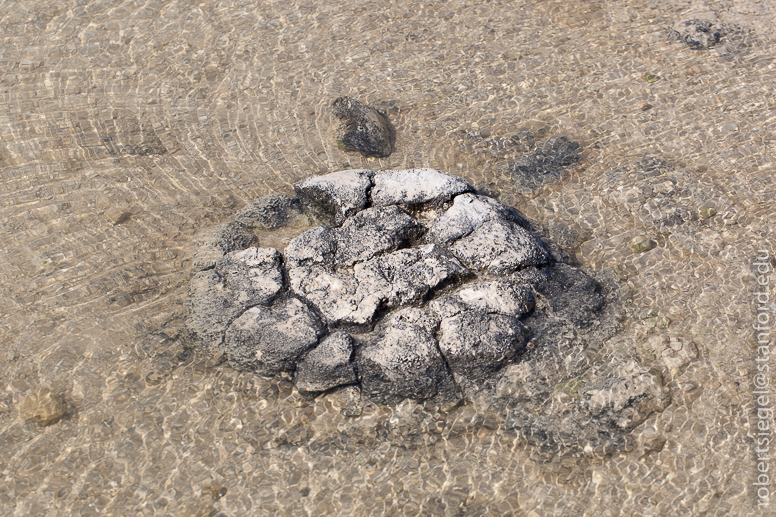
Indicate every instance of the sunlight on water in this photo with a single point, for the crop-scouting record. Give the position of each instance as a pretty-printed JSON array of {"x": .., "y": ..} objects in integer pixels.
[{"x": 127, "y": 127}]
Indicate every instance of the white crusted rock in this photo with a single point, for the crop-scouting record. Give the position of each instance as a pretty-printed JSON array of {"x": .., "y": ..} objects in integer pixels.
[
  {"x": 254, "y": 275},
  {"x": 416, "y": 187},
  {"x": 334, "y": 294},
  {"x": 399, "y": 278},
  {"x": 270, "y": 340},
  {"x": 483, "y": 233},
  {"x": 500, "y": 297},
  {"x": 215, "y": 242},
  {"x": 336, "y": 196},
  {"x": 241, "y": 279},
  {"x": 327, "y": 365},
  {"x": 404, "y": 361},
  {"x": 315, "y": 246},
  {"x": 476, "y": 344}
]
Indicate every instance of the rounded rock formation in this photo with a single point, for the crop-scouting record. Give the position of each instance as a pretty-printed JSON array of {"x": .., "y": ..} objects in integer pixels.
[{"x": 457, "y": 299}]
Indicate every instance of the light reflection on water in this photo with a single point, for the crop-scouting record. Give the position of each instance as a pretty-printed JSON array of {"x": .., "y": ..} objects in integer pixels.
[{"x": 180, "y": 113}]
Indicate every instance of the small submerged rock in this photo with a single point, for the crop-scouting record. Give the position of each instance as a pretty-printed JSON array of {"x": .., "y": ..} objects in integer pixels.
[
  {"x": 270, "y": 212},
  {"x": 698, "y": 34},
  {"x": 42, "y": 406},
  {"x": 362, "y": 128},
  {"x": 545, "y": 164}
]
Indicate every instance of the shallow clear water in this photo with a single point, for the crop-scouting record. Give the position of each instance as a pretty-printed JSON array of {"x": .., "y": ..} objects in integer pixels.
[{"x": 179, "y": 113}]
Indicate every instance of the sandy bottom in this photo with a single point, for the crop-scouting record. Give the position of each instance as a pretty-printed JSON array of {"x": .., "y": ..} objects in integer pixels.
[{"x": 126, "y": 127}]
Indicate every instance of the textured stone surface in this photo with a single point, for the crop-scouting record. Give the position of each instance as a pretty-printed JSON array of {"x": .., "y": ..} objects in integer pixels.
[
  {"x": 270, "y": 212},
  {"x": 336, "y": 196},
  {"x": 362, "y": 128},
  {"x": 335, "y": 295},
  {"x": 522, "y": 335},
  {"x": 213, "y": 306},
  {"x": 400, "y": 278},
  {"x": 270, "y": 340},
  {"x": 500, "y": 296},
  {"x": 404, "y": 361},
  {"x": 328, "y": 365},
  {"x": 484, "y": 234},
  {"x": 215, "y": 242},
  {"x": 546, "y": 163},
  {"x": 254, "y": 275},
  {"x": 373, "y": 231},
  {"x": 315, "y": 246},
  {"x": 241, "y": 279},
  {"x": 476, "y": 344},
  {"x": 416, "y": 187}
]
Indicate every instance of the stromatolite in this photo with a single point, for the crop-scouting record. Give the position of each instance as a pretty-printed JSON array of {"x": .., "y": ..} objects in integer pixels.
[{"x": 421, "y": 288}]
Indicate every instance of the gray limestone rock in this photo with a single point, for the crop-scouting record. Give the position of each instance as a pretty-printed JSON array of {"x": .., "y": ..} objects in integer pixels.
[
  {"x": 499, "y": 297},
  {"x": 270, "y": 340},
  {"x": 270, "y": 212},
  {"x": 406, "y": 276},
  {"x": 254, "y": 275},
  {"x": 404, "y": 361},
  {"x": 362, "y": 128},
  {"x": 328, "y": 365},
  {"x": 336, "y": 196},
  {"x": 476, "y": 344},
  {"x": 472, "y": 340},
  {"x": 215, "y": 242},
  {"x": 315, "y": 246},
  {"x": 400, "y": 278},
  {"x": 374, "y": 231},
  {"x": 212, "y": 307},
  {"x": 416, "y": 187},
  {"x": 335, "y": 295},
  {"x": 483, "y": 233},
  {"x": 241, "y": 279}
]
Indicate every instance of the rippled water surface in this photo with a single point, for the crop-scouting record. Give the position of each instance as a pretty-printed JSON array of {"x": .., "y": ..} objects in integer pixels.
[{"x": 177, "y": 113}]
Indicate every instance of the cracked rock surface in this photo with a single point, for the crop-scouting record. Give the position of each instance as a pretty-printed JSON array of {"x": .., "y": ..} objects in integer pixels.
[{"x": 458, "y": 300}]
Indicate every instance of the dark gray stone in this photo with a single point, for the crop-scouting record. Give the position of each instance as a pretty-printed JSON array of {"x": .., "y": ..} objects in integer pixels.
[
  {"x": 270, "y": 340},
  {"x": 240, "y": 280},
  {"x": 476, "y": 344},
  {"x": 374, "y": 231},
  {"x": 215, "y": 242},
  {"x": 328, "y": 365},
  {"x": 404, "y": 361},
  {"x": 362, "y": 128},
  {"x": 334, "y": 197},
  {"x": 416, "y": 187},
  {"x": 698, "y": 34},
  {"x": 572, "y": 294},
  {"x": 483, "y": 233},
  {"x": 270, "y": 212},
  {"x": 545, "y": 164}
]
